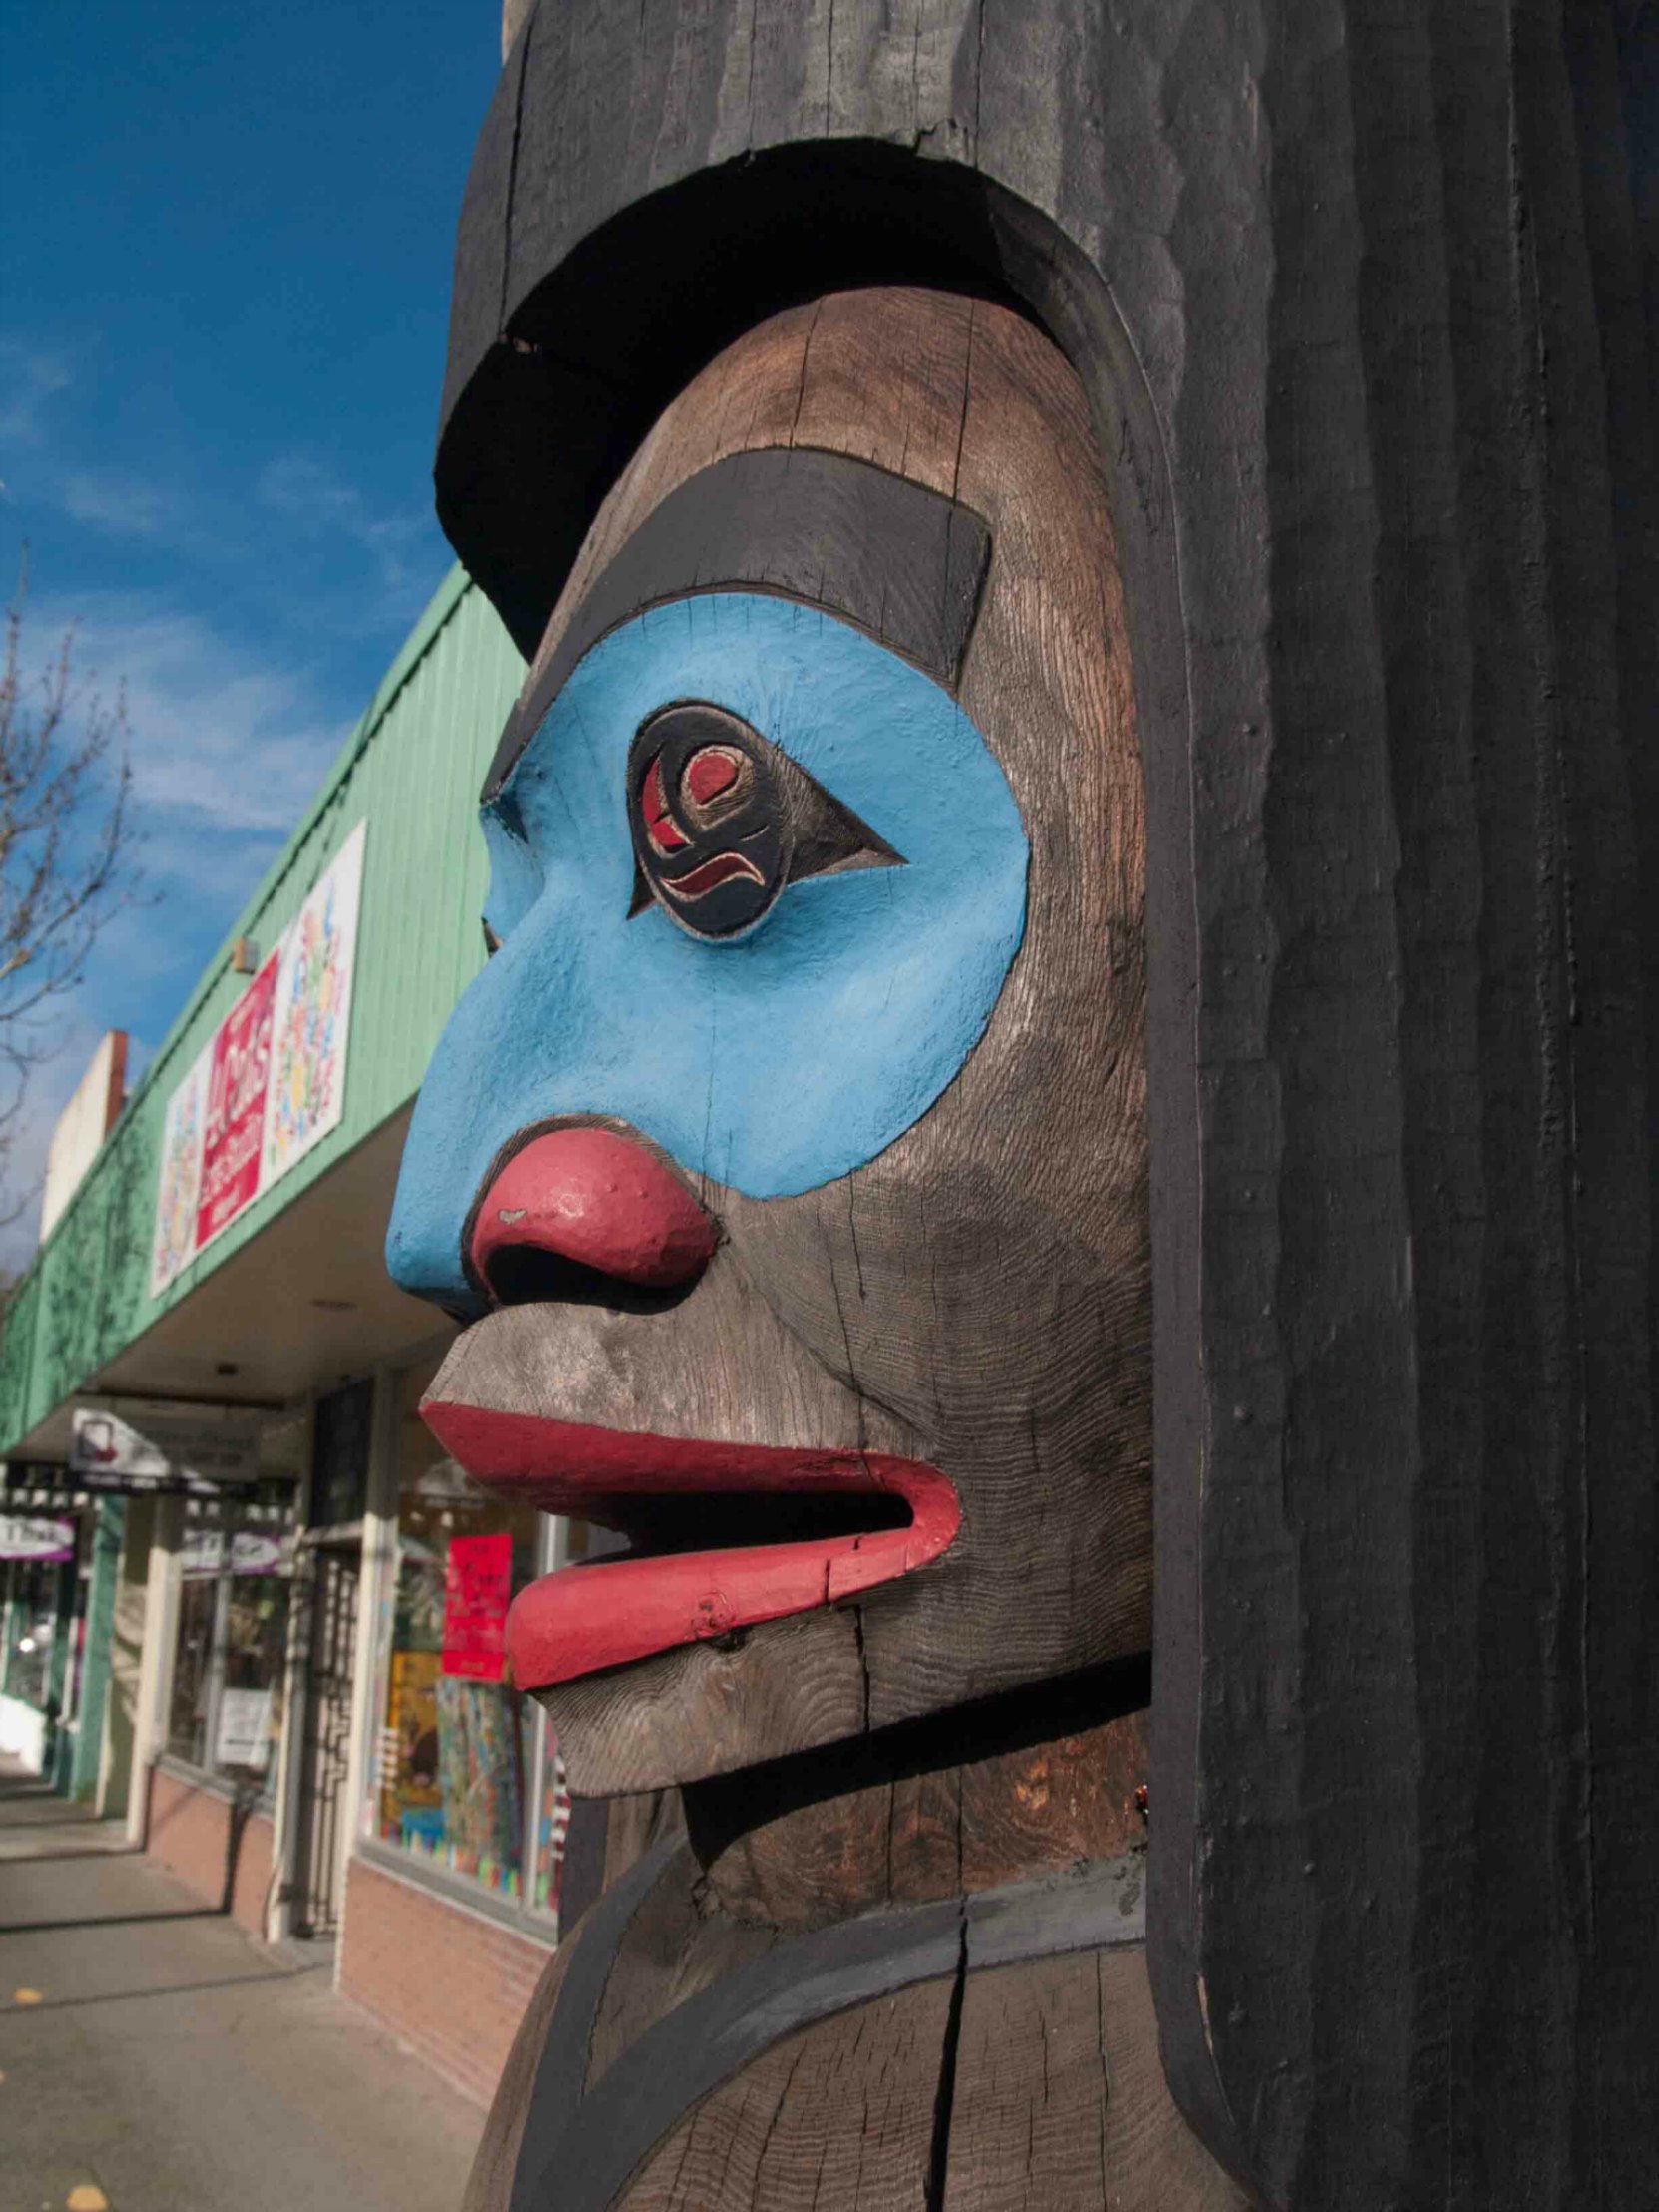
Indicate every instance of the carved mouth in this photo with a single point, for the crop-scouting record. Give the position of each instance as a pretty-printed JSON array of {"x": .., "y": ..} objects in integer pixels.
[{"x": 722, "y": 1536}]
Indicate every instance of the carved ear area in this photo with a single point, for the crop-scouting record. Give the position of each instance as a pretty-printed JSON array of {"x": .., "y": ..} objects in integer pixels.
[{"x": 722, "y": 820}]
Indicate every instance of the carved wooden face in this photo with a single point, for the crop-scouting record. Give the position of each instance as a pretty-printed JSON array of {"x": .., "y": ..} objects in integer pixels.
[{"x": 789, "y": 1158}]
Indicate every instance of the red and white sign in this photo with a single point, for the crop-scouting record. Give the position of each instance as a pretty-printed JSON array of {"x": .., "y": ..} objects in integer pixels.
[
  {"x": 477, "y": 1590},
  {"x": 269, "y": 1083},
  {"x": 238, "y": 1079}
]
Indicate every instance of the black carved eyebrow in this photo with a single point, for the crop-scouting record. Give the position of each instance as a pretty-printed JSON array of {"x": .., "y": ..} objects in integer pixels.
[{"x": 902, "y": 561}]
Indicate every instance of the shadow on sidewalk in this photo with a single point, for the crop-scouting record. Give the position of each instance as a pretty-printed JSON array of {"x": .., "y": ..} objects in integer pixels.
[
  {"x": 108, "y": 1919},
  {"x": 264, "y": 1976}
]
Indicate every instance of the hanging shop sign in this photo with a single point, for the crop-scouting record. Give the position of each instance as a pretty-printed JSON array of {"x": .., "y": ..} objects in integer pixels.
[
  {"x": 477, "y": 1590},
  {"x": 47, "y": 1541},
  {"x": 269, "y": 1083},
  {"x": 194, "y": 1455}
]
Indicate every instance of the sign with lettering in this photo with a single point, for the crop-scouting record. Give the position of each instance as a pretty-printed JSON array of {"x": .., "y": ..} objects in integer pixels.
[
  {"x": 271, "y": 1081},
  {"x": 195, "y": 1451},
  {"x": 233, "y": 1128},
  {"x": 34, "y": 1536},
  {"x": 477, "y": 1590},
  {"x": 243, "y": 1737}
]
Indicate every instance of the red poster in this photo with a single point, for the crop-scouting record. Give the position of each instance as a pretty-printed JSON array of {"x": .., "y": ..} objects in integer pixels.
[
  {"x": 238, "y": 1076},
  {"x": 477, "y": 1589}
]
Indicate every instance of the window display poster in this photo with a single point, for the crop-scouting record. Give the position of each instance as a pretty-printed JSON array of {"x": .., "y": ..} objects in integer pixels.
[
  {"x": 477, "y": 1590},
  {"x": 271, "y": 1081},
  {"x": 242, "y": 1735},
  {"x": 412, "y": 1802},
  {"x": 480, "y": 1768}
]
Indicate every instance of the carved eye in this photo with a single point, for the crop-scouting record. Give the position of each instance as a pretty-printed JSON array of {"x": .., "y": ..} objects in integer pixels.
[{"x": 722, "y": 821}]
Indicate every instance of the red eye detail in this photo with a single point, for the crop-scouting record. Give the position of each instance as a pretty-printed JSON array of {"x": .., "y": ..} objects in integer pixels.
[
  {"x": 660, "y": 826},
  {"x": 709, "y": 772},
  {"x": 698, "y": 882}
]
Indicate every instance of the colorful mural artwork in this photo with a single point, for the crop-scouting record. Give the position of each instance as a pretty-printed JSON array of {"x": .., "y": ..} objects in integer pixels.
[
  {"x": 177, "y": 1219},
  {"x": 271, "y": 1082},
  {"x": 313, "y": 1014}
]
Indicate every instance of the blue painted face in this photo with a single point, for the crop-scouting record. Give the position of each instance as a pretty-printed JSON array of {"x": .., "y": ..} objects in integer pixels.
[{"x": 771, "y": 1062}]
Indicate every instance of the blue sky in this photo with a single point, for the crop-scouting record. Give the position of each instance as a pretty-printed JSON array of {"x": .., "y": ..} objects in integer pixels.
[{"x": 225, "y": 255}]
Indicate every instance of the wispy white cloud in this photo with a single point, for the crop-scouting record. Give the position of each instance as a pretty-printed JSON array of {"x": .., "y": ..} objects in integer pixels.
[
  {"x": 30, "y": 376},
  {"x": 125, "y": 506},
  {"x": 316, "y": 503},
  {"x": 223, "y": 741}
]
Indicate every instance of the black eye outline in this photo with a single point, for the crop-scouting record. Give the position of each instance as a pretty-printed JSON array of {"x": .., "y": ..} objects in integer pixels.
[{"x": 723, "y": 821}]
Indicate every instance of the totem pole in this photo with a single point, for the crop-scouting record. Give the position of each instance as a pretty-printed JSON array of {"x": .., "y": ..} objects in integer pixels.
[{"x": 1075, "y": 964}]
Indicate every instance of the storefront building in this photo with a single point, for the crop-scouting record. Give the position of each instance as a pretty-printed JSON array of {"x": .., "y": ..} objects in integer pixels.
[{"x": 248, "y": 1603}]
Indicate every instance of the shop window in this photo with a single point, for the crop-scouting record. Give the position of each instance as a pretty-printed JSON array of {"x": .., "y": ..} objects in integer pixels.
[
  {"x": 35, "y": 1596},
  {"x": 339, "y": 1456},
  {"x": 467, "y": 1775},
  {"x": 231, "y": 1648},
  {"x": 186, "y": 1728}
]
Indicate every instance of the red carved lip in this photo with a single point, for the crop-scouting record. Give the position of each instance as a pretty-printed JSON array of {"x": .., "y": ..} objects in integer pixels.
[{"x": 848, "y": 1520}]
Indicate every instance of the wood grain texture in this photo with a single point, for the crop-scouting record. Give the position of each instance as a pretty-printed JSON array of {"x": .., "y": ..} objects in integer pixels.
[
  {"x": 1059, "y": 2102},
  {"x": 635, "y": 1825},
  {"x": 918, "y": 2096},
  {"x": 1030, "y": 2084},
  {"x": 841, "y": 2114},
  {"x": 675, "y": 1946},
  {"x": 940, "y": 1810},
  {"x": 1363, "y": 299}
]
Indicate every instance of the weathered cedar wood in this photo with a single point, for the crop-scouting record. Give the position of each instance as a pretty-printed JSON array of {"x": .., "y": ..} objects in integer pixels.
[
  {"x": 975, "y": 1296},
  {"x": 848, "y": 1761},
  {"x": 1363, "y": 301}
]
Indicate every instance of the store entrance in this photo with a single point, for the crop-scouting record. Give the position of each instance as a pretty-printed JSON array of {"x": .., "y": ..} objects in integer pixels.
[{"x": 333, "y": 1578}]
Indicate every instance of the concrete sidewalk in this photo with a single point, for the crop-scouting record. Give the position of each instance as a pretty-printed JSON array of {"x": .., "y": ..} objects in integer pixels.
[{"x": 155, "y": 2060}]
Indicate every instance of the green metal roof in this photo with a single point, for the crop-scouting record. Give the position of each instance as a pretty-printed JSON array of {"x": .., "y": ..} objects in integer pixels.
[{"x": 412, "y": 768}]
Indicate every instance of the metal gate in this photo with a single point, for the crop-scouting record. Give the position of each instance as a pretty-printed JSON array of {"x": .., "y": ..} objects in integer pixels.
[{"x": 332, "y": 1577}]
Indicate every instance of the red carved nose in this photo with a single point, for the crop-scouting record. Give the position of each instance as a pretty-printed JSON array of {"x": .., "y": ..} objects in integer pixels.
[{"x": 590, "y": 1196}]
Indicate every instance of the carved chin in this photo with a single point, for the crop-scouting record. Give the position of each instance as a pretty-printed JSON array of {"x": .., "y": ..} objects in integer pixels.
[{"x": 704, "y": 1709}]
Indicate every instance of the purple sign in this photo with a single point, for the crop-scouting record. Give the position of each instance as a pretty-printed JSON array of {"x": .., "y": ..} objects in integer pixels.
[{"x": 46, "y": 1540}]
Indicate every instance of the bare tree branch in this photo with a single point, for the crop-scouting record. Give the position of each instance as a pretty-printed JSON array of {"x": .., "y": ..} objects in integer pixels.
[{"x": 67, "y": 852}]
